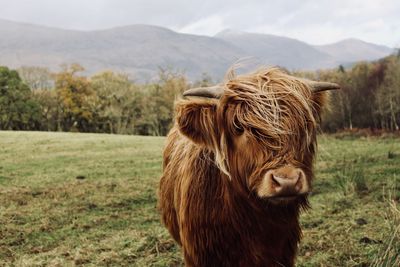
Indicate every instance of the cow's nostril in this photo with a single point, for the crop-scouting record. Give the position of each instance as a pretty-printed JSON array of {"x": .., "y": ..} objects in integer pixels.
[
  {"x": 275, "y": 183},
  {"x": 299, "y": 183},
  {"x": 286, "y": 183}
]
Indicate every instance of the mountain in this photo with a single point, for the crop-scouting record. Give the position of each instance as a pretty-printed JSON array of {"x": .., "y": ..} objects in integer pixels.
[
  {"x": 140, "y": 50},
  {"x": 352, "y": 50},
  {"x": 277, "y": 50}
]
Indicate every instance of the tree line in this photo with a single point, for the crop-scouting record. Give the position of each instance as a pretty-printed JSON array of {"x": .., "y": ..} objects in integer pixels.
[
  {"x": 369, "y": 95},
  {"x": 33, "y": 98}
]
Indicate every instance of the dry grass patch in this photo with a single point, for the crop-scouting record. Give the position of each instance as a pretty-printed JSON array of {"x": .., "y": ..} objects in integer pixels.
[{"x": 90, "y": 200}]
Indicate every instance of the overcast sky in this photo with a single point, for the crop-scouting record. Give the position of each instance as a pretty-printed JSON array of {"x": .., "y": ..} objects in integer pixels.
[{"x": 313, "y": 21}]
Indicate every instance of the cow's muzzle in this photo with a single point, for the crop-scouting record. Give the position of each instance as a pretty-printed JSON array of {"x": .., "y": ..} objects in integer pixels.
[{"x": 284, "y": 182}]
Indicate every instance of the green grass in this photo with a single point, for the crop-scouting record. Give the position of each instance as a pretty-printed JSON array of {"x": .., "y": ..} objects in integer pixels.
[{"x": 48, "y": 217}]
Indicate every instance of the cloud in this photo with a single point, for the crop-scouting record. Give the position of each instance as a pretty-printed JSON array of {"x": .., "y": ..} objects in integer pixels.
[
  {"x": 205, "y": 26},
  {"x": 314, "y": 21}
]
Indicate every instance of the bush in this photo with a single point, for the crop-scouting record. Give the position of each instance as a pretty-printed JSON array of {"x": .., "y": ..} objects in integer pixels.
[
  {"x": 351, "y": 179},
  {"x": 390, "y": 254}
]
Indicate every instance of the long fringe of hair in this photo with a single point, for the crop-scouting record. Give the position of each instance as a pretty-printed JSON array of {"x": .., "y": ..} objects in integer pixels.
[{"x": 274, "y": 106}]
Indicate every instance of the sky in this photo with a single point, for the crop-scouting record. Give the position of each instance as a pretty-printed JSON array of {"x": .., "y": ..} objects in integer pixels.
[{"x": 312, "y": 21}]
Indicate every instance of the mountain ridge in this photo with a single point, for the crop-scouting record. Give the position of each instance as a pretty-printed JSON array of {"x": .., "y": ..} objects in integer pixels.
[{"x": 140, "y": 50}]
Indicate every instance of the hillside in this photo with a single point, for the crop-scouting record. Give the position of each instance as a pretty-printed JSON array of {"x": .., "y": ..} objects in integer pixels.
[
  {"x": 277, "y": 50},
  {"x": 140, "y": 50},
  {"x": 352, "y": 50}
]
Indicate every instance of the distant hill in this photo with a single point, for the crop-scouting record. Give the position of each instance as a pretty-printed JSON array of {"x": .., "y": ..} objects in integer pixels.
[
  {"x": 277, "y": 50},
  {"x": 140, "y": 50},
  {"x": 352, "y": 50}
]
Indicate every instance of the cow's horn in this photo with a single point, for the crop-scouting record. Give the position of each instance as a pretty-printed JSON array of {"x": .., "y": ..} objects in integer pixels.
[
  {"x": 209, "y": 92},
  {"x": 323, "y": 86}
]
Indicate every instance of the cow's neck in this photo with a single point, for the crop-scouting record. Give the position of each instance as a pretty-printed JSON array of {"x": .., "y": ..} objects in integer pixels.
[{"x": 236, "y": 221}]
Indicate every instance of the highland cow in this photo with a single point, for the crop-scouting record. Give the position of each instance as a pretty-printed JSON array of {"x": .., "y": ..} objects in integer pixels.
[{"x": 238, "y": 168}]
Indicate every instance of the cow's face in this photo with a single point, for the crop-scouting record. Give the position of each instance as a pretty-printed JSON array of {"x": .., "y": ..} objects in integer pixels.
[{"x": 262, "y": 129}]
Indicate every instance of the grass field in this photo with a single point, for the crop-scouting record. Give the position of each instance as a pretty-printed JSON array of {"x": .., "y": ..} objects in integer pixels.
[{"x": 69, "y": 199}]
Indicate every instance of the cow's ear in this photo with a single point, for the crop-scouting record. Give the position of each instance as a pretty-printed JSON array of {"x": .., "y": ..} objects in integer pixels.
[
  {"x": 320, "y": 94},
  {"x": 320, "y": 101},
  {"x": 196, "y": 120}
]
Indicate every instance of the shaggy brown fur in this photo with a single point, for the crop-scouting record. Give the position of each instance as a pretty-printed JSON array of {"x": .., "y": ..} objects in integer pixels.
[{"x": 215, "y": 158}]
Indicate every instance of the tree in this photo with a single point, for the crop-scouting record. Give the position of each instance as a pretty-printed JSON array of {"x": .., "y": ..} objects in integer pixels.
[
  {"x": 117, "y": 103},
  {"x": 49, "y": 108},
  {"x": 74, "y": 96},
  {"x": 37, "y": 77},
  {"x": 18, "y": 110},
  {"x": 388, "y": 95},
  {"x": 204, "y": 81},
  {"x": 159, "y": 106}
]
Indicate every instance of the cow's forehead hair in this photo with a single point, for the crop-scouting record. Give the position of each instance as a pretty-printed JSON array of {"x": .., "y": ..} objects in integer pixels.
[
  {"x": 277, "y": 109},
  {"x": 276, "y": 105}
]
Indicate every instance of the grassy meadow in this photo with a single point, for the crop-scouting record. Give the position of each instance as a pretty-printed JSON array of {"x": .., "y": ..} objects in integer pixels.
[{"x": 70, "y": 199}]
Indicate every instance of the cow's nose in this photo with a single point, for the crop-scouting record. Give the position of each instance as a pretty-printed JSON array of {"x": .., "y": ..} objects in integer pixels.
[
  {"x": 288, "y": 184},
  {"x": 284, "y": 181}
]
